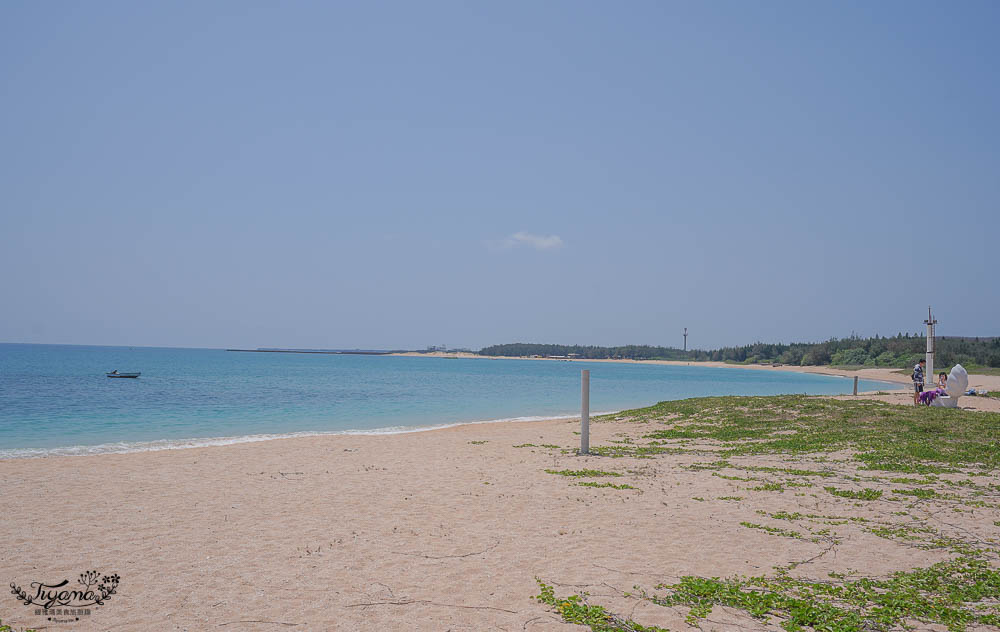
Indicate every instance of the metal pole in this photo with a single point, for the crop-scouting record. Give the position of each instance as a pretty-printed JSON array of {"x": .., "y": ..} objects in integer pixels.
[
  {"x": 929, "y": 375},
  {"x": 855, "y": 384},
  {"x": 585, "y": 411}
]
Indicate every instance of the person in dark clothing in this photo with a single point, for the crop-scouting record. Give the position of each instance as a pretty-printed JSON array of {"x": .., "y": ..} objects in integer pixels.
[{"x": 918, "y": 381}]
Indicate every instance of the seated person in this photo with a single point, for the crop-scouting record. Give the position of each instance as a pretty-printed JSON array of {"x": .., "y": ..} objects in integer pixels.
[{"x": 927, "y": 397}]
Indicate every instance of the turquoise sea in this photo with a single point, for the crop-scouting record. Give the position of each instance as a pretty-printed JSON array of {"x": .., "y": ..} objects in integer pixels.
[{"x": 55, "y": 399}]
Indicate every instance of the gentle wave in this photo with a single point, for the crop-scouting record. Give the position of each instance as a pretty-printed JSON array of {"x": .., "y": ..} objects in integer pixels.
[{"x": 126, "y": 447}]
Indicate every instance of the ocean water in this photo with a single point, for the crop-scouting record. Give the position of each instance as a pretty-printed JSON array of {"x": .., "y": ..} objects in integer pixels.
[{"x": 55, "y": 399}]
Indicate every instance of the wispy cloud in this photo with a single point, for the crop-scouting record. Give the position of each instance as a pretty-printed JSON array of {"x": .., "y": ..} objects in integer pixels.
[{"x": 538, "y": 242}]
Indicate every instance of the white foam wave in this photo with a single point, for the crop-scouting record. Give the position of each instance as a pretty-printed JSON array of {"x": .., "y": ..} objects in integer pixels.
[{"x": 125, "y": 447}]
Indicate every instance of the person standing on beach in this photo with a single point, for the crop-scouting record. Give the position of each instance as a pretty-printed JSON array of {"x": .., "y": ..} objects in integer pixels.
[{"x": 918, "y": 381}]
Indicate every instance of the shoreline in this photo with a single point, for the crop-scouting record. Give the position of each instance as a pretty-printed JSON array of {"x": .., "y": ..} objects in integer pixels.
[
  {"x": 187, "y": 443},
  {"x": 445, "y": 529},
  {"x": 899, "y": 395},
  {"x": 881, "y": 374},
  {"x": 161, "y": 445}
]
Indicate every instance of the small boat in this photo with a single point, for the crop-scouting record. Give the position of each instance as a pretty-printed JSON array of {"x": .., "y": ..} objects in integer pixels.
[{"x": 117, "y": 374}]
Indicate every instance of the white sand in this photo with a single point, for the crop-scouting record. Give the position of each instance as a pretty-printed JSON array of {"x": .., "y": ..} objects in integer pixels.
[{"x": 421, "y": 531}]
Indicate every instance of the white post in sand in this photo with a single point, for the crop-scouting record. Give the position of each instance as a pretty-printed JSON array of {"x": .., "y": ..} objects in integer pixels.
[
  {"x": 585, "y": 411},
  {"x": 855, "y": 384}
]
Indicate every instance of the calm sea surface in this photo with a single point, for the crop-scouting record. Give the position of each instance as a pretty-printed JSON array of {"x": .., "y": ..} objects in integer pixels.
[{"x": 56, "y": 399}]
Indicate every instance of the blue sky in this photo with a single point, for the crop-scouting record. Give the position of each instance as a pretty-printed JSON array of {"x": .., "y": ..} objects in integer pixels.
[{"x": 385, "y": 175}]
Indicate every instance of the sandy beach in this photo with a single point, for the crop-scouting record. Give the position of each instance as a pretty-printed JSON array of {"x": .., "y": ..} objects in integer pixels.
[
  {"x": 240, "y": 239},
  {"x": 437, "y": 530}
]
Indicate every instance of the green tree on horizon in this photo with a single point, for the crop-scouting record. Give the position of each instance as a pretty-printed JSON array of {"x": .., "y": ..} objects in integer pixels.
[{"x": 902, "y": 350}]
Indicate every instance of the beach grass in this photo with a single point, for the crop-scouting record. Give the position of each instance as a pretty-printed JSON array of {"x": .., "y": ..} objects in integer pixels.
[
  {"x": 582, "y": 473},
  {"x": 948, "y": 459},
  {"x": 882, "y": 436}
]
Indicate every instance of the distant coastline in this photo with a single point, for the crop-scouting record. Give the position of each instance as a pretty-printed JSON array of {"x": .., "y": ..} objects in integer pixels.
[
  {"x": 318, "y": 351},
  {"x": 883, "y": 374}
]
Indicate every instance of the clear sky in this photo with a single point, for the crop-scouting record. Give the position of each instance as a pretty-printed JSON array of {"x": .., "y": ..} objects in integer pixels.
[{"x": 395, "y": 175}]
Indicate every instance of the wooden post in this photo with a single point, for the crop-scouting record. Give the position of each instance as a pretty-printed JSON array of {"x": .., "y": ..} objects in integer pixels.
[
  {"x": 585, "y": 411},
  {"x": 855, "y": 384}
]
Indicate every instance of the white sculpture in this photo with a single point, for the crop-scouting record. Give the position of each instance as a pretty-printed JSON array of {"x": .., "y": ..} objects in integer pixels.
[{"x": 958, "y": 382}]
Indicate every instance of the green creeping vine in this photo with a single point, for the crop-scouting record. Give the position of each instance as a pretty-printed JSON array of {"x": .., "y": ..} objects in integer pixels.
[
  {"x": 864, "y": 494},
  {"x": 884, "y": 437},
  {"x": 787, "y": 533},
  {"x": 574, "y": 609},
  {"x": 610, "y": 485},
  {"x": 871, "y": 438},
  {"x": 581, "y": 473},
  {"x": 955, "y": 593}
]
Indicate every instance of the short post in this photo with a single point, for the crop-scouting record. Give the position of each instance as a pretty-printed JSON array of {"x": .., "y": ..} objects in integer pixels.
[
  {"x": 585, "y": 411},
  {"x": 855, "y": 384}
]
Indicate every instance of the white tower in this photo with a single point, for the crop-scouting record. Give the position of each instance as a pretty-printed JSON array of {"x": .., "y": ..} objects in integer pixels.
[{"x": 930, "y": 322}]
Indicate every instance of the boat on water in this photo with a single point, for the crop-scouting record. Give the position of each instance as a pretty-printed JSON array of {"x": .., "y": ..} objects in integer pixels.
[{"x": 115, "y": 373}]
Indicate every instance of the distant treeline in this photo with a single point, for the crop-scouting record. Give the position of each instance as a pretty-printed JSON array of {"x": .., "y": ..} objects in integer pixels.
[
  {"x": 628, "y": 352},
  {"x": 903, "y": 350}
]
